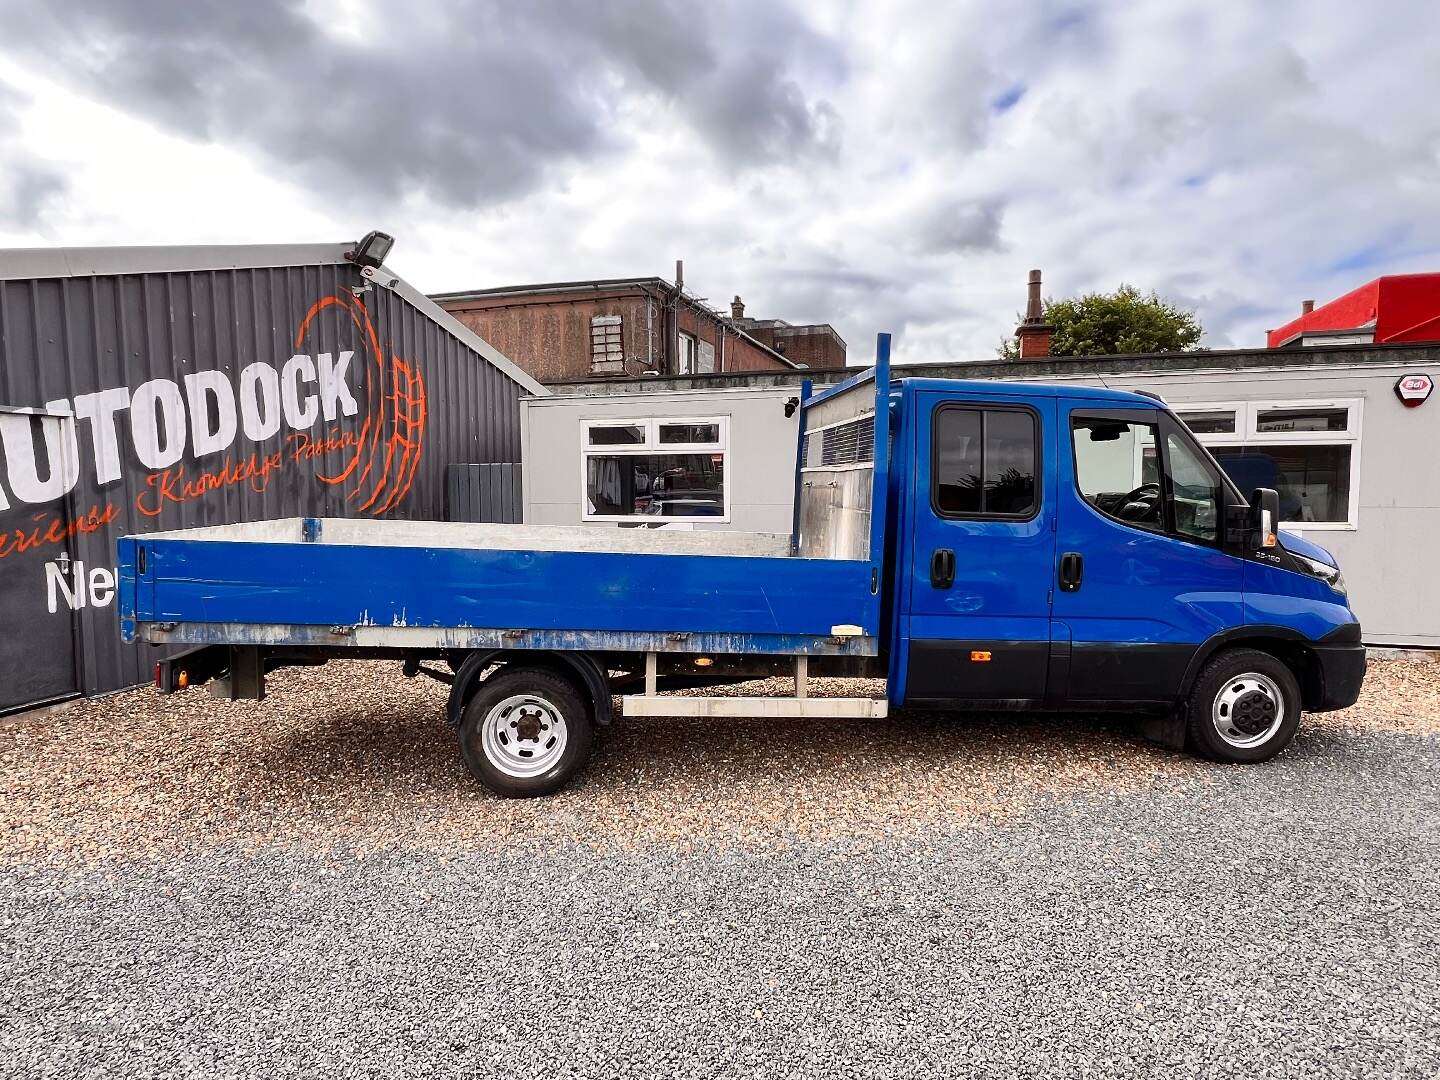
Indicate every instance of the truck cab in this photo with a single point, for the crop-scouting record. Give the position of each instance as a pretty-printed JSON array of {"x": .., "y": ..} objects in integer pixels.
[{"x": 1065, "y": 547}]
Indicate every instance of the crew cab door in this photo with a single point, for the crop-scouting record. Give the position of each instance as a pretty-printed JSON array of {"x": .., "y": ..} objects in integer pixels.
[
  {"x": 982, "y": 548},
  {"x": 1142, "y": 574}
]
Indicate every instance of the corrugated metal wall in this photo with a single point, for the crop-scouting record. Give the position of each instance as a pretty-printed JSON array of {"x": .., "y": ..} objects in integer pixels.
[
  {"x": 484, "y": 493},
  {"x": 285, "y": 425}
]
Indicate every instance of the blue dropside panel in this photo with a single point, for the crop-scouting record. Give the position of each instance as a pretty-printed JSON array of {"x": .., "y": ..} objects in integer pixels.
[{"x": 320, "y": 584}]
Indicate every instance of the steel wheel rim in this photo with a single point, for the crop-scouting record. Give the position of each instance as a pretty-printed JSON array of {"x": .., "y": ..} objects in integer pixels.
[
  {"x": 1248, "y": 710},
  {"x": 523, "y": 736}
]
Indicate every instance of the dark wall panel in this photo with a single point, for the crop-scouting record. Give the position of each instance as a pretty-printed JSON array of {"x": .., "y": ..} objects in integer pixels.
[
  {"x": 212, "y": 397},
  {"x": 484, "y": 493}
]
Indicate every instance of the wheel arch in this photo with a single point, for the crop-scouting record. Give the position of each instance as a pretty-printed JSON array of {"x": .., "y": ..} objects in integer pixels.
[
  {"x": 1290, "y": 647},
  {"x": 580, "y": 668}
]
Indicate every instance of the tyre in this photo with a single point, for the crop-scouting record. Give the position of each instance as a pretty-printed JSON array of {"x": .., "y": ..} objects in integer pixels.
[
  {"x": 526, "y": 732},
  {"x": 1244, "y": 707}
]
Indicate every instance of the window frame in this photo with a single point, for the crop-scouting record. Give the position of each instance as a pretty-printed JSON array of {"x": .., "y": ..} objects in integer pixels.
[
  {"x": 982, "y": 408},
  {"x": 1246, "y": 434},
  {"x": 589, "y": 425},
  {"x": 604, "y": 323},
  {"x": 652, "y": 446},
  {"x": 687, "y": 348},
  {"x": 1232, "y": 408}
]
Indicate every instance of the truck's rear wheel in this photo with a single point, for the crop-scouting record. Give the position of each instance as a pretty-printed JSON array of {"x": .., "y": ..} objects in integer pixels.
[
  {"x": 1244, "y": 707},
  {"x": 526, "y": 732}
]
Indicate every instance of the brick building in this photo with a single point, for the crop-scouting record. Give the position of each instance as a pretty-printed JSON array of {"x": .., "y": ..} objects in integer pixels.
[
  {"x": 816, "y": 345},
  {"x": 566, "y": 331}
]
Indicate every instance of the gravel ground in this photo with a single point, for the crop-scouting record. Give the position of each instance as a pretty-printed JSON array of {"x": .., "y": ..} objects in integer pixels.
[
  {"x": 1398, "y": 695},
  {"x": 353, "y": 754},
  {"x": 311, "y": 885}
]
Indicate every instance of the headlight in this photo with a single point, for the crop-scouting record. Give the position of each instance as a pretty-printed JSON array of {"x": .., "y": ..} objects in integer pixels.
[{"x": 1324, "y": 571}]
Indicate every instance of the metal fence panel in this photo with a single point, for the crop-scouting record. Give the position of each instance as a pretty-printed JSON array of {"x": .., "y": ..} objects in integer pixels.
[{"x": 484, "y": 492}]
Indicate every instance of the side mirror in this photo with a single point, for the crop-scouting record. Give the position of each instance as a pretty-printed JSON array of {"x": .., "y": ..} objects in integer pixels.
[{"x": 1265, "y": 515}]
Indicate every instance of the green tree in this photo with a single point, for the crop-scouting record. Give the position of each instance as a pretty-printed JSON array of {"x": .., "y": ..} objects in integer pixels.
[{"x": 1125, "y": 321}]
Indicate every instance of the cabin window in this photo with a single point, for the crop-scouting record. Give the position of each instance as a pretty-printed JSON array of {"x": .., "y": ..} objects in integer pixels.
[
  {"x": 983, "y": 462},
  {"x": 1117, "y": 468},
  {"x": 655, "y": 470}
]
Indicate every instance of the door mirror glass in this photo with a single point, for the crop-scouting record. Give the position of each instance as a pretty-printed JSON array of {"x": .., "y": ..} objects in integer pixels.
[{"x": 1265, "y": 515}]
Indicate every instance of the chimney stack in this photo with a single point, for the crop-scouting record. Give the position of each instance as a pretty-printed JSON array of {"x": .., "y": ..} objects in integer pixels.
[
  {"x": 737, "y": 308},
  {"x": 1307, "y": 306},
  {"x": 1034, "y": 333}
]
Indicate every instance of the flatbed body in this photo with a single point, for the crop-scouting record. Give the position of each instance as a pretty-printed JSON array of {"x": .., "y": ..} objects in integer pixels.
[{"x": 420, "y": 585}]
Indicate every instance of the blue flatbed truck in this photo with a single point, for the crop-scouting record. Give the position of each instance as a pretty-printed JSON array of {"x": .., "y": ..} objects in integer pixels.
[{"x": 979, "y": 545}]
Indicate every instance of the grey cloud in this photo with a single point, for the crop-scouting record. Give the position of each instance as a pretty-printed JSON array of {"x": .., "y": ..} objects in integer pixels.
[
  {"x": 10, "y": 102},
  {"x": 733, "y": 70},
  {"x": 957, "y": 227},
  {"x": 26, "y": 189},
  {"x": 470, "y": 102},
  {"x": 754, "y": 112},
  {"x": 860, "y": 303},
  {"x": 26, "y": 183}
]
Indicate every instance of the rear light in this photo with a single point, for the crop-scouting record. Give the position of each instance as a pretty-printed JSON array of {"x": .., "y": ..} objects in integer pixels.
[
  {"x": 182, "y": 680},
  {"x": 157, "y": 677}
]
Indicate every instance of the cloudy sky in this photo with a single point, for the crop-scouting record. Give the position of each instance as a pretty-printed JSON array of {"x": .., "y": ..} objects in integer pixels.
[{"x": 873, "y": 165}]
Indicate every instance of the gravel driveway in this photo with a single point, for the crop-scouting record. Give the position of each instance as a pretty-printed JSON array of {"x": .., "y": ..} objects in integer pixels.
[{"x": 311, "y": 886}]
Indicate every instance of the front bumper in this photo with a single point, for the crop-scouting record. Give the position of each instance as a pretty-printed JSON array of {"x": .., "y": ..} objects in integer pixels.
[{"x": 1341, "y": 661}]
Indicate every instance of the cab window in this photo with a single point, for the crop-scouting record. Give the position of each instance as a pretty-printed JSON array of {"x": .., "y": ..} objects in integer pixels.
[
  {"x": 1195, "y": 491},
  {"x": 984, "y": 462},
  {"x": 1118, "y": 469}
]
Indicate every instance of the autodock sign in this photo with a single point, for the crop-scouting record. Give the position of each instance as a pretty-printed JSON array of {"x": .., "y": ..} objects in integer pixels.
[
  {"x": 177, "y": 388},
  {"x": 351, "y": 420}
]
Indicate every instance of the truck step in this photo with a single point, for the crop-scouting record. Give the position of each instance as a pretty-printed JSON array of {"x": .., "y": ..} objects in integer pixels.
[{"x": 660, "y": 705}]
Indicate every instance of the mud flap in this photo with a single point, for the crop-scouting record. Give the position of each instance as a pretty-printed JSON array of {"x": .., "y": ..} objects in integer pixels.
[{"x": 1167, "y": 730}]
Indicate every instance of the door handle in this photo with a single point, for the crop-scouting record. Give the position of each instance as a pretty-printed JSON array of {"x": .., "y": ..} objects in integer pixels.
[
  {"x": 942, "y": 568},
  {"x": 1072, "y": 571}
]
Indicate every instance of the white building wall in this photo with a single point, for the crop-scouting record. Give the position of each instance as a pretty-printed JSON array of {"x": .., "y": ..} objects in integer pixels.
[{"x": 759, "y": 465}]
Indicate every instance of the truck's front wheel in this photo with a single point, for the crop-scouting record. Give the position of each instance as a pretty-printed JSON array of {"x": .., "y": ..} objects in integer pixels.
[
  {"x": 1244, "y": 707},
  {"x": 526, "y": 732}
]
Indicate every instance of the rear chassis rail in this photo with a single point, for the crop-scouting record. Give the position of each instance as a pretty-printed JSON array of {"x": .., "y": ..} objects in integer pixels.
[{"x": 238, "y": 672}]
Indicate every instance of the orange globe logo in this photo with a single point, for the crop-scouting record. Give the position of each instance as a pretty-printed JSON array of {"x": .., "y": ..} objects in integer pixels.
[{"x": 382, "y": 464}]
